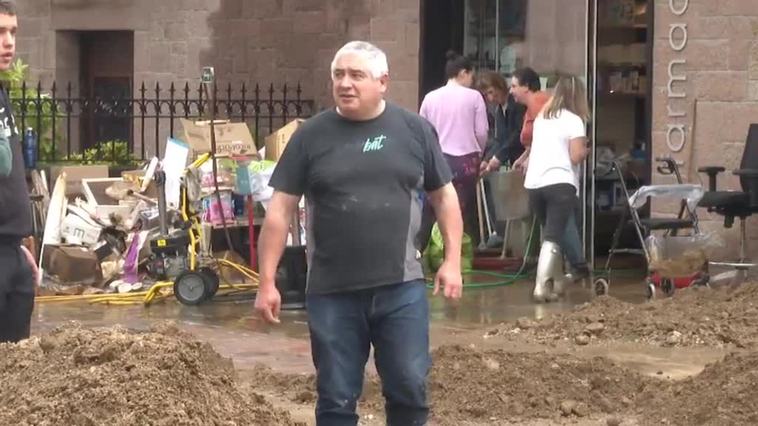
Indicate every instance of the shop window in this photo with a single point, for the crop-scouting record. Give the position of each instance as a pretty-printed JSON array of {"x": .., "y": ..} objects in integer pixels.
[
  {"x": 622, "y": 111},
  {"x": 549, "y": 36}
]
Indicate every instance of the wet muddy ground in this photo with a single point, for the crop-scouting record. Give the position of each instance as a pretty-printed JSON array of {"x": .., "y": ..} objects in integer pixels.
[{"x": 498, "y": 359}]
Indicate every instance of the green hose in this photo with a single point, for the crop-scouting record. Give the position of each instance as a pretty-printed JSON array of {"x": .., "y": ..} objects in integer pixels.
[{"x": 510, "y": 279}]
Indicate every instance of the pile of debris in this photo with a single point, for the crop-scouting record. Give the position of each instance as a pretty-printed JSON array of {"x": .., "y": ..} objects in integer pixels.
[
  {"x": 102, "y": 234},
  {"x": 117, "y": 377},
  {"x": 697, "y": 316}
]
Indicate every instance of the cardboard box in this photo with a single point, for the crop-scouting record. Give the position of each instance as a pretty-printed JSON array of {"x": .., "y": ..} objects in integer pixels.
[
  {"x": 231, "y": 138},
  {"x": 277, "y": 141},
  {"x": 101, "y": 204},
  {"x": 74, "y": 176},
  {"x": 72, "y": 265},
  {"x": 80, "y": 231}
]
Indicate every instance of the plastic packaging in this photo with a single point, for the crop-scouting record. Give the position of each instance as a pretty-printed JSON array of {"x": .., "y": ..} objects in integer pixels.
[
  {"x": 435, "y": 252},
  {"x": 212, "y": 210},
  {"x": 678, "y": 256},
  {"x": 226, "y": 168},
  {"x": 690, "y": 192},
  {"x": 253, "y": 178}
]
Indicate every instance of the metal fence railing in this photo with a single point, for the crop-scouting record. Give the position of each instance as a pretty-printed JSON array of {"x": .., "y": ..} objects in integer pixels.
[{"x": 113, "y": 128}]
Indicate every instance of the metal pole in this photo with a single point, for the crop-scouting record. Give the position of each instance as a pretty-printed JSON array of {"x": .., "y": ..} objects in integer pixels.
[
  {"x": 209, "y": 78},
  {"x": 160, "y": 183},
  {"x": 497, "y": 36},
  {"x": 592, "y": 50}
]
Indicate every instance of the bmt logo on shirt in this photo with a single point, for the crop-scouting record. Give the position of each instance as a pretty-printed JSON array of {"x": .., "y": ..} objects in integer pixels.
[{"x": 374, "y": 145}]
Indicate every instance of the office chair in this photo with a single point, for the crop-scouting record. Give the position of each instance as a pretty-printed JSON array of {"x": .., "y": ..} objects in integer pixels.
[{"x": 736, "y": 204}]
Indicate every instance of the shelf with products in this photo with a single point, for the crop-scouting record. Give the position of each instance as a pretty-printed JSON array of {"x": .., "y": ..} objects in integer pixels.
[
  {"x": 603, "y": 65},
  {"x": 618, "y": 85},
  {"x": 637, "y": 96}
]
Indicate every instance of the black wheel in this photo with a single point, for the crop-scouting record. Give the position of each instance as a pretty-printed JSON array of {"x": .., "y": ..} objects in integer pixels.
[
  {"x": 668, "y": 287},
  {"x": 601, "y": 286},
  {"x": 650, "y": 291},
  {"x": 190, "y": 288},
  {"x": 211, "y": 281}
]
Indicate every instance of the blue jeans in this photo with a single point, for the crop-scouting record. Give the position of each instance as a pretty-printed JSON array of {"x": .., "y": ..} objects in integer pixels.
[
  {"x": 571, "y": 242},
  {"x": 343, "y": 326}
]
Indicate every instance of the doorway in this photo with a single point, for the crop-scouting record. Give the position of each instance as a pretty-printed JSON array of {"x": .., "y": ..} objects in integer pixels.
[
  {"x": 106, "y": 76},
  {"x": 441, "y": 30},
  {"x": 623, "y": 102}
]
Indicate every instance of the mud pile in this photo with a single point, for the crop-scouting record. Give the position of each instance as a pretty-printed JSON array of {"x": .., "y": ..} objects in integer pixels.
[
  {"x": 498, "y": 386},
  {"x": 725, "y": 393},
  {"x": 692, "y": 317},
  {"x": 469, "y": 386},
  {"x": 118, "y": 377}
]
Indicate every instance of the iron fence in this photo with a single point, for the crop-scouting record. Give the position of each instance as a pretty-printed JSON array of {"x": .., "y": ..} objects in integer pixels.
[{"x": 134, "y": 127}]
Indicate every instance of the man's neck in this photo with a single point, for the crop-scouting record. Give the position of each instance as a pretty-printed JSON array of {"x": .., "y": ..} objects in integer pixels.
[
  {"x": 376, "y": 113},
  {"x": 531, "y": 96}
]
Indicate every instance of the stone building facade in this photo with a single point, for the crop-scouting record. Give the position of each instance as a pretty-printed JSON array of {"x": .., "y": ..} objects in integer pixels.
[
  {"x": 252, "y": 41},
  {"x": 706, "y": 93}
]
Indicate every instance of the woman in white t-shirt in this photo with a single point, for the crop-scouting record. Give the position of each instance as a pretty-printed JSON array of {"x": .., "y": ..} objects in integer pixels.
[{"x": 559, "y": 145}]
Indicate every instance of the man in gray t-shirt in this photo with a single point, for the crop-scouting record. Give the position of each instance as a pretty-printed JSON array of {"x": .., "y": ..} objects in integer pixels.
[{"x": 363, "y": 168}]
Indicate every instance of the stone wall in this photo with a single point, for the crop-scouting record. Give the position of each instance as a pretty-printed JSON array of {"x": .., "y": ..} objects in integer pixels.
[
  {"x": 263, "y": 41},
  {"x": 702, "y": 117}
]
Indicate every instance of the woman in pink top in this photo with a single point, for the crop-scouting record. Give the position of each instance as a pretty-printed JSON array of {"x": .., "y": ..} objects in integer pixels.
[{"x": 459, "y": 115}]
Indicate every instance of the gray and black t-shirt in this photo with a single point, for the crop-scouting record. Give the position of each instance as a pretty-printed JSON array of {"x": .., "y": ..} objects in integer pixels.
[{"x": 363, "y": 183}]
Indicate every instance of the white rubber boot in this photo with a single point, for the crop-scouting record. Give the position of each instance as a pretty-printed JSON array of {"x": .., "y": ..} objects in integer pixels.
[{"x": 549, "y": 271}]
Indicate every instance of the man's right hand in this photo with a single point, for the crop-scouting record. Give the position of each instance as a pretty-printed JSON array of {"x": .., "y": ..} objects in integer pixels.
[{"x": 268, "y": 303}]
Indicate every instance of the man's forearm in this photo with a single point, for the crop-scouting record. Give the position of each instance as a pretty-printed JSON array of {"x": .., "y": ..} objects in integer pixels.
[
  {"x": 271, "y": 244},
  {"x": 448, "y": 214}
]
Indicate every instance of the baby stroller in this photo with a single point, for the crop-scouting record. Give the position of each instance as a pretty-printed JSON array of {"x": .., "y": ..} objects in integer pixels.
[{"x": 673, "y": 261}]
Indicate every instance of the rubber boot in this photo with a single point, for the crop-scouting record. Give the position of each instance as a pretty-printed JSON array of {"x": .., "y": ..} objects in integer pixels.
[{"x": 549, "y": 271}]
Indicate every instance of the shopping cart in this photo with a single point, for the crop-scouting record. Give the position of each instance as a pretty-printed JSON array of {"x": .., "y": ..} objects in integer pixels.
[{"x": 673, "y": 260}]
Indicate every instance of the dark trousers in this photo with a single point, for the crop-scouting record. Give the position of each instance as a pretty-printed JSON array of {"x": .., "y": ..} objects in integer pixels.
[
  {"x": 344, "y": 326},
  {"x": 571, "y": 243},
  {"x": 16, "y": 293},
  {"x": 553, "y": 205},
  {"x": 465, "y": 170}
]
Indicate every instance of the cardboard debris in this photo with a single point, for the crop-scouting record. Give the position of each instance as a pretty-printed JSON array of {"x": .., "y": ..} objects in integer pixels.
[
  {"x": 136, "y": 180},
  {"x": 231, "y": 138},
  {"x": 103, "y": 205},
  {"x": 72, "y": 265},
  {"x": 74, "y": 176},
  {"x": 80, "y": 231},
  {"x": 277, "y": 141}
]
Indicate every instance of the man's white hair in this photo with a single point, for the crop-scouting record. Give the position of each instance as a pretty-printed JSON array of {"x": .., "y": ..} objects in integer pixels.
[{"x": 377, "y": 60}]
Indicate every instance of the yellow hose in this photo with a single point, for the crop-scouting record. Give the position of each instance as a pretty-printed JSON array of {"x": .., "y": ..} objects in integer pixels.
[{"x": 144, "y": 297}]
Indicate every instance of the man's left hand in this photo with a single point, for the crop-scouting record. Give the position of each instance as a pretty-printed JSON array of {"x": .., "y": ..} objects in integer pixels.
[
  {"x": 33, "y": 265},
  {"x": 449, "y": 277}
]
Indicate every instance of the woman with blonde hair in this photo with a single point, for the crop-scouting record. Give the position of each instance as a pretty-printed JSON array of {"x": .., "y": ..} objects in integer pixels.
[{"x": 559, "y": 146}]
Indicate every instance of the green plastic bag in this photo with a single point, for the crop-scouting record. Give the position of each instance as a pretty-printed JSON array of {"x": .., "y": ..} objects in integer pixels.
[{"x": 435, "y": 251}]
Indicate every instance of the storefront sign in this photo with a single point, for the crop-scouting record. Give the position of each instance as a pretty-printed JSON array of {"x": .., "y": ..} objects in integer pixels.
[{"x": 676, "y": 134}]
